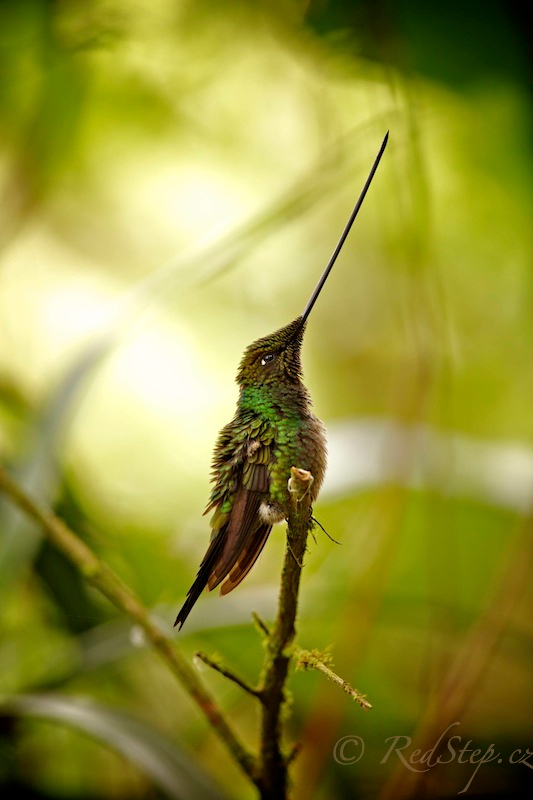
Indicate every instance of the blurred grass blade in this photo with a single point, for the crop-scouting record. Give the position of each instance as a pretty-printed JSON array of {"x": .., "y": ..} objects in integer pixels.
[
  {"x": 38, "y": 470},
  {"x": 170, "y": 768}
]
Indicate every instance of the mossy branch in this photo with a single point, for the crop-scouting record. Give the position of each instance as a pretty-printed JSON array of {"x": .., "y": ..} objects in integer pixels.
[
  {"x": 102, "y": 577},
  {"x": 273, "y": 762},
  {"x": 312, "y": 659},
  {"x": 272, "y": 776}
]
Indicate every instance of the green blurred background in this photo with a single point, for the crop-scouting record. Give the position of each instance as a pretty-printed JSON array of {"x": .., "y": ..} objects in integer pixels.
[{"x": 174, "y": 176}]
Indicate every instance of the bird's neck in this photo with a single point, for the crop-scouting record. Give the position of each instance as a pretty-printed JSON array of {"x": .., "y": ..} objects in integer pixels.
[{"x": 271, "y": 399}]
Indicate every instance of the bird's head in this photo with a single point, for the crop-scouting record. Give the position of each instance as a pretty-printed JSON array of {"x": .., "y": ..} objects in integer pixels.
[{"x": 274, "y": 358}]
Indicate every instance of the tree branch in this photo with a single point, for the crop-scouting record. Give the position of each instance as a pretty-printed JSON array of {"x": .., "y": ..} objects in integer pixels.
[
  {"x": 272, "y": 777},
  {"x": 99, "y": 575},
  {"x": 228, "y": 673}
]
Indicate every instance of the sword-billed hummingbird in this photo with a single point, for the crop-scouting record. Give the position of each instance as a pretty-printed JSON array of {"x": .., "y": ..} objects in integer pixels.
[{"x": 273, "y": 429}]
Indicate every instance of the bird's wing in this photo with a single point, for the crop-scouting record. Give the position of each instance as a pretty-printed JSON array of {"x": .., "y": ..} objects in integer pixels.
[
  {"x": 238, "y": 534},
  {"x": 243, "y": 531}
]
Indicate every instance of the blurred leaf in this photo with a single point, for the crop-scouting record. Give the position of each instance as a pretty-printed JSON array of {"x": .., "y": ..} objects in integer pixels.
[{"x": 169, "y": 767}]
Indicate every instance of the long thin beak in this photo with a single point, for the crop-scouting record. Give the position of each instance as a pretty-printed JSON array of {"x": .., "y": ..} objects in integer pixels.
[{"x": 346, "y": 231}]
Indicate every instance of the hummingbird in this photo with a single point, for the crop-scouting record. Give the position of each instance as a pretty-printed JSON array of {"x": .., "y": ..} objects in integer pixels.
[{"x": 273, "y": 429}]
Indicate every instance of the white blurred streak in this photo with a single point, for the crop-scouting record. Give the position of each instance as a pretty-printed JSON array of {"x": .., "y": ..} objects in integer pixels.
[{"x": 370, "y": 452}]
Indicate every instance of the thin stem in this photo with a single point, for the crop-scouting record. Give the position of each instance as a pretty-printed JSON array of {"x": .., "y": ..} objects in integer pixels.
[
  {"x": 307, "y": 659},
  {"x": 229, "y": 674},
  {"x": 263, "y": 627}
]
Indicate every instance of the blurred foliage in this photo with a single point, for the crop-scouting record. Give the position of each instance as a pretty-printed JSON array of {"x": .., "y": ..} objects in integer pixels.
[{"x": 173, "y": 178}]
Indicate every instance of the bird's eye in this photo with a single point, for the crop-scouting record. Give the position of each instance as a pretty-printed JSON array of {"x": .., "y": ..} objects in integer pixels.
[{"x": 266, "y": 359}]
